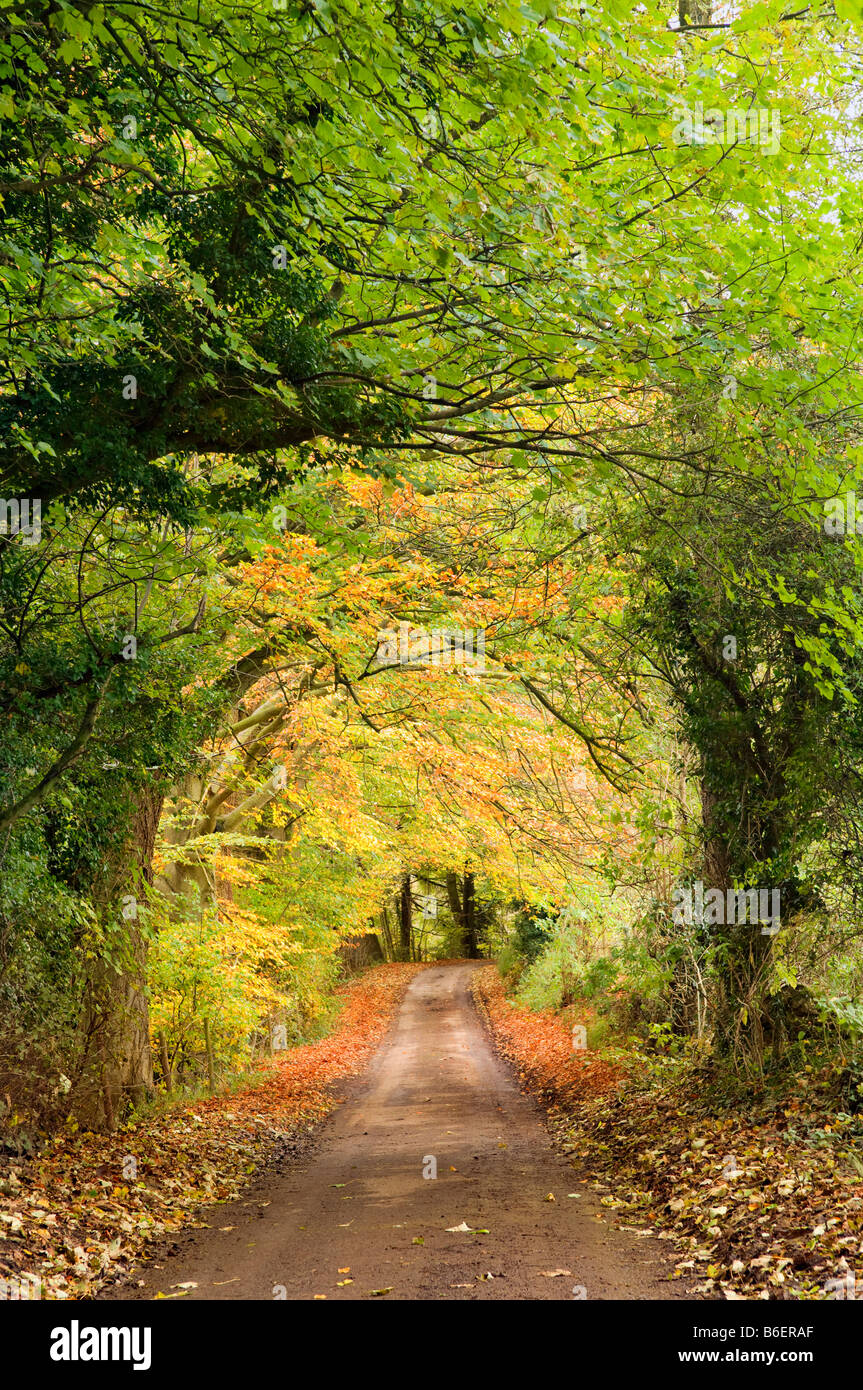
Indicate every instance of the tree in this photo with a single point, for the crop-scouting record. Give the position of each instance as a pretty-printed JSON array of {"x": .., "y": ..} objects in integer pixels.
[
  {"x": 747, "y": 613},
  {"x": 445, "y": 244},
  {"x": 248, "y": 249}
]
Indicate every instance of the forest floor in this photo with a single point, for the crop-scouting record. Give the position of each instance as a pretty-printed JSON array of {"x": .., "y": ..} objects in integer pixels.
[
  {"x": 759, "y": 1196},
  {"x": 434, "y": 1179},
  {"x": 80, "y": 1211},
  {"x": 315, "y": 1181}
]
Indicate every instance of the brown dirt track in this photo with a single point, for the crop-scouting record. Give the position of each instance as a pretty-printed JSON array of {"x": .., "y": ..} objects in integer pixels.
[{"x": 360, "y": 1201}]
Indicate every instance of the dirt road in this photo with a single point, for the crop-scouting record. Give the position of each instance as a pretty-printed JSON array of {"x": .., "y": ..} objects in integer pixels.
[{"x": 361, "y": 1210}]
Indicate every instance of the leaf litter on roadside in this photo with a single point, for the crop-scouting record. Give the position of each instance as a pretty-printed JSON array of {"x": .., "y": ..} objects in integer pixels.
[
  {"x": 764, "y": 1202},
  {"x": 70, "y": 1220}
]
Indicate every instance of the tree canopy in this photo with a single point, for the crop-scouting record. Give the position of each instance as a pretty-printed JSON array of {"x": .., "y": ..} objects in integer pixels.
[{"x": 419, "y": 422}]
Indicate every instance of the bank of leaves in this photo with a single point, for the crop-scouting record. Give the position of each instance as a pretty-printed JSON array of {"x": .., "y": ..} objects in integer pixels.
[
  {"x": 762, "y": 1201},
  {"x": 74, "y": 1217}
]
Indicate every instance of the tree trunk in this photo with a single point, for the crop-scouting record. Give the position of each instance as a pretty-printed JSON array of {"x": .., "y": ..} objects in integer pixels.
[
  {"x": 387, "y": 934},
  {"x": 462, "y": 902},
  {"x": 116, "y": 1021},
  {"x": 453, "y": 894},
  {"x": 694, "y": 12},
  {"x": 743, "y": 1011},
  {"x": 470, "y": 942},
  {"x": 405, "y": 918}
]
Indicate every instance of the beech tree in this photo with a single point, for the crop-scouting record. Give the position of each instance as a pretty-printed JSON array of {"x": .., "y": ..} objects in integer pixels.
[{"x": 251, "y": 246}]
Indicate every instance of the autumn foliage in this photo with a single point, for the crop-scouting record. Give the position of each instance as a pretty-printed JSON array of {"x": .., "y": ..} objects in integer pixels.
[
  {"x": 755, "y": 1202},
  {"x": 539, "y": 1046},
  {"x": 75, "y": 1217}
]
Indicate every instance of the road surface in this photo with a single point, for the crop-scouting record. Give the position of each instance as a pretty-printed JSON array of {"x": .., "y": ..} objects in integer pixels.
[{"x": 360, "y": 1215}]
